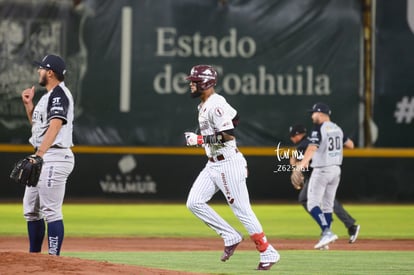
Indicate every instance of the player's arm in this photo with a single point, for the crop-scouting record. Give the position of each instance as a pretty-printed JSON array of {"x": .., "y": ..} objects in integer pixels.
[
  {"x": 219, "y": 137},
  {"x": 314, "y": 140},
  {"x": 224, "y": 125},
  {"x": 27, "y": 98},
  {"x": 310, "y": 151},
  {"x": 50, "y": 136},
  {"x": 292, "y": 161},
  {"x": 349, "y": 144},
  {"x": 295, "y": 158},
  {"x": 57, "y": 112},
  {"x": 223, "y": 119}
]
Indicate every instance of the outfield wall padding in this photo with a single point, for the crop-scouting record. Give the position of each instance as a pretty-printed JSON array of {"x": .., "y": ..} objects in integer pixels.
[{"x": 147, "y": 177}]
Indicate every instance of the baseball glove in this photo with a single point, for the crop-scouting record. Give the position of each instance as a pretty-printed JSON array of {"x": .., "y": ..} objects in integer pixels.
[
  {"x": 27, "y": 171},
  {"x": 297, "y": 179}
]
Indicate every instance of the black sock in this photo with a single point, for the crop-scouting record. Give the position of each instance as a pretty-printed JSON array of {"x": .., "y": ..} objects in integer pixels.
[{"x": 36, "y": 231}]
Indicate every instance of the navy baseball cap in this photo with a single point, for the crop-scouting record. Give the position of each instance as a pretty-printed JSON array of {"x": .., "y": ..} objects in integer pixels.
[
  {"x": 296, "y": 130},
  {"x": 54, "y": 63},
  {"x": 320, "y": 107}
]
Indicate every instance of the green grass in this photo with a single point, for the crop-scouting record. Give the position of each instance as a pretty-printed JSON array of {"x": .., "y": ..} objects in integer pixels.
[
  {"x": 279, "y": 221},
  {"x": 292, "y": 262},
  {"x": 175, "y": 220}
]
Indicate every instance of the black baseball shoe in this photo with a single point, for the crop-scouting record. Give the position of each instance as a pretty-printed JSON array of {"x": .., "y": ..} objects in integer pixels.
[
  {"x": 353, "y": 232},
  {"x": 228, "y": 251}
]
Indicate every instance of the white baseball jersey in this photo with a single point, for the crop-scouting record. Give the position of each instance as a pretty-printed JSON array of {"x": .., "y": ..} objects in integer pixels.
[
  {"x": 226, "y": 170},
  {"x": 326, "y": 163},
  {"x": 45, "y": 200},
  {"x": 57, "y": 103},
  {"x": 329, "y": 138},
  {"x": 215, "y": 115}
]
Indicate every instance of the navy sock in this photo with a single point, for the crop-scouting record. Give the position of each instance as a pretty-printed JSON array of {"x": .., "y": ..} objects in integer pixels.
[
  {"x": 55, "y": 232},
  {"x": 319, "y": 217},
  {"x": 328, "y": 218},
  {"x": 36, "y": 231}
]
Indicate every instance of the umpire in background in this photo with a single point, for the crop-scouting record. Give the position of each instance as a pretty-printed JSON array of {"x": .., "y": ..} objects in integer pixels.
[
  {"x": 298, "y": 136},
  {"x": 52, "y": 127}
]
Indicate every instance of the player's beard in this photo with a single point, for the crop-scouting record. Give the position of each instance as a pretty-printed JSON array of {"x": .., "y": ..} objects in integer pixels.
[
  {"x": 43, "y": 81},
  {"x": 316, "y": 118},
  {"x": 196, "y": 93}
]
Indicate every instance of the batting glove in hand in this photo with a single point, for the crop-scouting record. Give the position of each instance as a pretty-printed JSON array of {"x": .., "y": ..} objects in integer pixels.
[{"x": 193, "y": 139}]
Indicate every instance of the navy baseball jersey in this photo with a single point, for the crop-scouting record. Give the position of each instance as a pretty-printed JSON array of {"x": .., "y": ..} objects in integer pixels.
[{"x": 301, "y": 149}]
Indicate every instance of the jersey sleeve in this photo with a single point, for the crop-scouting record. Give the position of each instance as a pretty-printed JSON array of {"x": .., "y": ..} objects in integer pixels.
[
  {"x": 58, "y": 105},
  {"x": 223, "y": 115},
  {"x": 345, "y": 138},
  {"x": 315, "y": 136}
]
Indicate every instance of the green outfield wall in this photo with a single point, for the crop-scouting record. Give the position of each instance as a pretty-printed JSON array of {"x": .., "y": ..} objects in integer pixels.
[{"x": 127, "y": 62}]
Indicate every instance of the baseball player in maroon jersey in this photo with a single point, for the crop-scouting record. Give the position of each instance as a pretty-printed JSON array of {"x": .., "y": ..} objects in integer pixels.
[
  {"x": 51, "y": 121},
  {"x": 225, "y": 171}
]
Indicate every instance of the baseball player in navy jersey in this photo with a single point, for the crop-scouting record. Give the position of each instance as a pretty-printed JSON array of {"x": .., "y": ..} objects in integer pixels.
[
  {"x": 225, "y": 171},
  {"x": 325, "y": 149},
  {"x": 298, "y": 136},
  {"x": 51, "y": 121}
]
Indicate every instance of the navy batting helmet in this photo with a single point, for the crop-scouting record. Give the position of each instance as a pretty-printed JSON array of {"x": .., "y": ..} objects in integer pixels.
[{"x": 204, "y": 75}]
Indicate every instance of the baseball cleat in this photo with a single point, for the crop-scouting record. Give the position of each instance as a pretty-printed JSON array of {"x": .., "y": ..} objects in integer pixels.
[
  {"x": 264, "y": 266},
  {"x": 353, "y": 232},
  {"x": 327, "y": 237},
  {"x": 228, "y": 251},
  {"x": 326, "y": 247},
  {"x": 268, "y": 265}
]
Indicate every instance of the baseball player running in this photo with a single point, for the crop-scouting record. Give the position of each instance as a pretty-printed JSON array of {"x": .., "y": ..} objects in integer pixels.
[
  {"x": 326, "y": 152},
  {"x": 298, "y": 136},
  {"x": 51, "y": 121},
  {"x": 226, "y": 169}
]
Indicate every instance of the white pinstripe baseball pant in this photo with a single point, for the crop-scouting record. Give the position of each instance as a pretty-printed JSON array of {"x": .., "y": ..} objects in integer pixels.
[{"x": 229, "y": 176}]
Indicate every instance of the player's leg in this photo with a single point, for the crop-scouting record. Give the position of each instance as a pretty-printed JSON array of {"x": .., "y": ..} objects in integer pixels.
[
  {"x": 303, "y": 195},
  {"x": 330, "y": 176},
  {"x": 35, "y": 222},
  {"x": 51, "y": 193},
  {"x": 333, "y": 174},
  {"x": 343, "y": 215},
  {"x": 200, "y": 193},
  {"x": 316, "y": 190},
  {"x": 347, "y": 220},
  {"x": 232, "y": 183}
]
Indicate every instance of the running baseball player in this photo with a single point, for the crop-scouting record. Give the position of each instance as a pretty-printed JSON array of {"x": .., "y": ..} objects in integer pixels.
[
  {"x": 325, "y": 149},
  {"x": 51, "y": 121},
  {"x": 225, "y": 171},
  {"x": 298, "y": 136}
]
